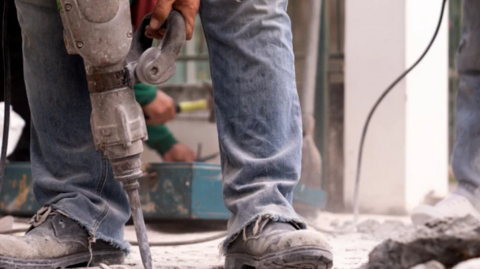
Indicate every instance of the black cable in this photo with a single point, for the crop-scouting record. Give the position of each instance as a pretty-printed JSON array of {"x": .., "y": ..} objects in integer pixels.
[
  {"x": 7, "y": 89},
  {"x": 152, "y": 244},
  {"x": 185, "y": 242},
  {"x": 377, "y": 103}
]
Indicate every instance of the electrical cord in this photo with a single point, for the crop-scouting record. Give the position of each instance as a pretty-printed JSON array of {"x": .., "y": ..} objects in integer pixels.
[
  {"x": 374, "y": 108},
  {"x": 7, "y": 89},
  {"x": 152, "y": 244},
  {"x": 185, "y": 242}
]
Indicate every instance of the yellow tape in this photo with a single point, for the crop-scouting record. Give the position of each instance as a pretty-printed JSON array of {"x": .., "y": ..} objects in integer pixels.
[{"x": 193, "y": 105}]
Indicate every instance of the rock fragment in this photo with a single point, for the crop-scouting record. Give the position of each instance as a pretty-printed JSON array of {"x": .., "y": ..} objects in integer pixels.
[{"x": 448, "y": 241}]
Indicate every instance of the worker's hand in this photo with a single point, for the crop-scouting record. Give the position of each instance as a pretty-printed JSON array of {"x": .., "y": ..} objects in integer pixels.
[
  {"x": 160, "y": 110},
  {"x": 188, "y": 8},
  {"x": 180, "y": 153}
]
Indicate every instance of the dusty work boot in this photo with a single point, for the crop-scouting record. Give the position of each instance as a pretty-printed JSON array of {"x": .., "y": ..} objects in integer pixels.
[
  {"x": 462, "y": 202},
  {"x": 267, "y": 244},
  {"x": 57, "y": 242}
]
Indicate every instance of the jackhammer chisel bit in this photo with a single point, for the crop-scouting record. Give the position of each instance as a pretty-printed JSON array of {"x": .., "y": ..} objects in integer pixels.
[{"x": 100, "y": 31}]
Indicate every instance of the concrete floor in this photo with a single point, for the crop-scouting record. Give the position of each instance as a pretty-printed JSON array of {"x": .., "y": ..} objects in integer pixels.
[{"x": 350, "y": 250}]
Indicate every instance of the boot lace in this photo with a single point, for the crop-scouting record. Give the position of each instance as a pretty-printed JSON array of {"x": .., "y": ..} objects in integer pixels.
[{"x": 41, "y": 216}]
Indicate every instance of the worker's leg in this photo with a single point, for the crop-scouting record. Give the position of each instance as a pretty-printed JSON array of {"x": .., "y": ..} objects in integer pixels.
[
  {"x": 466, "y": 155},
  {"x": 258, "y": 116},
  {"x": 70, "y": 176}
]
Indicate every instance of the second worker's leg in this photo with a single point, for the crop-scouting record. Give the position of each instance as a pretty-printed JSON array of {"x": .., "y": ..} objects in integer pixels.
[{"x": 260, "y": 134}]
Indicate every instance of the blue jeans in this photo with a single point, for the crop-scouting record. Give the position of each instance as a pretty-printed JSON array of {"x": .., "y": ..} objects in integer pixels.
[
  {"x": 257, "y": 110},
  {"x": 466, "y": 154}
]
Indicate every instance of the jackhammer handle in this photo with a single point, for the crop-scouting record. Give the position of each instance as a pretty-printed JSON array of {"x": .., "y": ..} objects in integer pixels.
[{"x": 157, "y": 65}]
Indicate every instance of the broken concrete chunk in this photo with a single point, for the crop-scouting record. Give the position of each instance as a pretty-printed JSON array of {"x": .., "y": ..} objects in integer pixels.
[
  {"x": 430, "y": 265},
  {"x": 448, "y": 241},
  {"x": 470, "y": 264}
]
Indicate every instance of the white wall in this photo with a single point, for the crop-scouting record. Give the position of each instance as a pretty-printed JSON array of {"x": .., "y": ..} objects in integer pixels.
[
  {"x": 427, "y": 103},
  {"x": 382, "y": 38}
]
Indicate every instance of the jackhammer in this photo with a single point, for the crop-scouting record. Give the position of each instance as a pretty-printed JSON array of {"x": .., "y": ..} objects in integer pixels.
[{"x": 115, "y": 59}]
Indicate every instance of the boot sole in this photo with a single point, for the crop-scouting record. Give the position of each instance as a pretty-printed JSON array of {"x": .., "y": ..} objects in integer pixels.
[
  {"x": 99, "y": 256},
  {"x": 299, "y": 258}
]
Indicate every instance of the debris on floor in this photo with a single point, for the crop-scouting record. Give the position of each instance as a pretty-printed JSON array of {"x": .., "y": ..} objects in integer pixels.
[
  {"x": 378, "y": 242},
  {"x": 350, "y": 249},
  {"x": 448, "y": 242}
]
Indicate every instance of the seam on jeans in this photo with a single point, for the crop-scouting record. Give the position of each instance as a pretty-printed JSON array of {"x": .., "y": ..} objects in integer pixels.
[
  {"x": 99, "y": 221},
  {"x": 103, "y": 176},
  {"x": 208, "y": 48},
  {"x": 223, "y": 156},
  {"x": 100, "y": 187},
  {"x": 93, "y": 231},
  {"x": 125, "y": 247}
]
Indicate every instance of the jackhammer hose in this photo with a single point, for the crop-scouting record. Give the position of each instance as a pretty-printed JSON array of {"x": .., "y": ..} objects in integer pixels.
[{"x": 205, "y": 239}]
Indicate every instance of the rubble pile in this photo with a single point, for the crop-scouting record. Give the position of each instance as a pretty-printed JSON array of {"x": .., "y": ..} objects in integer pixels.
[{"x": 441, "y": 244}]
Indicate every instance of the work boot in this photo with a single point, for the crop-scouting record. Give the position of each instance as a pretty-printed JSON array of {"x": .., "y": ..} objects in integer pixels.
[
  {"x": 462, "y": 202},
  {"x": 268, "y": 244},
  {"x": 55, "y": 241}
]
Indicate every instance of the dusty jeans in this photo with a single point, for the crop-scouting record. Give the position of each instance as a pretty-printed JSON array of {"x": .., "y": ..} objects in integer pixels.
[
  {"x": 466, "y": 155},
  {"x": 256, "y": 104}
]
